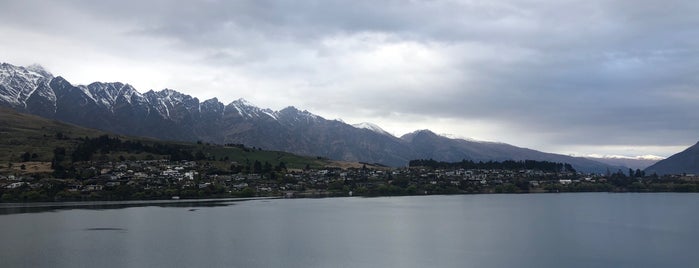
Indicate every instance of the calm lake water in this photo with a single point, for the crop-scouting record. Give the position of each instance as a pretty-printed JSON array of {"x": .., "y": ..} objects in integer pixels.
[{"x": 528, "y": 230}]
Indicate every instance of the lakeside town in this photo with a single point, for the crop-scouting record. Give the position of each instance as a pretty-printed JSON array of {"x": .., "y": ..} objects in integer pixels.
[{"x": 165, "y": 179}]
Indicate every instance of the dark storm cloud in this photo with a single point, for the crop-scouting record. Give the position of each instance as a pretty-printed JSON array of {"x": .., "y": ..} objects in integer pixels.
[{"x": 569, "y": 72}]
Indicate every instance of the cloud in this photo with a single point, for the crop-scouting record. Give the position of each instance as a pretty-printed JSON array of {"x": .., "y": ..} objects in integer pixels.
[{"x": 563, "y": 75}]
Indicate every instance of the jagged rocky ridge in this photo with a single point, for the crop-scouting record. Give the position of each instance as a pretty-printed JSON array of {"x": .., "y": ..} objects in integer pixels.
[{"x": 171, "y": 115}]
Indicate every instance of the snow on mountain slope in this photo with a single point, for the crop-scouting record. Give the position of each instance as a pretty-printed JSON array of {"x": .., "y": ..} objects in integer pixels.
[
  {"x": 372, "y": 127},
  {"x": 249, "y": 111},
  {"x": 633, "y": 162},
  {"x": 167, "y": 101},
  {"x": 212, "y": 106},
  {"x": 110, "y": 94},
  {"x": 640, "y": 157},
  {"x": 17, "y": 84},
  {"x": 292, "y": 116}
]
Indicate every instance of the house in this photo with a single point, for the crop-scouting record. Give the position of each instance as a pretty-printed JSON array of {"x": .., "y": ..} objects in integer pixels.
[
  {"x": 170, "y": 173},
  {"x": 93, "y": 187},
  {"x": 15, "y": 185}
]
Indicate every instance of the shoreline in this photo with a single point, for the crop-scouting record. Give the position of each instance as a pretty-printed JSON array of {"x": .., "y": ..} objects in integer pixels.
[{"x": 175, "y": 202}]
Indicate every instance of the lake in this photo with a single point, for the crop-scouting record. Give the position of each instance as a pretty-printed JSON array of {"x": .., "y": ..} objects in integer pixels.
[{"x": 524, "y": 230}]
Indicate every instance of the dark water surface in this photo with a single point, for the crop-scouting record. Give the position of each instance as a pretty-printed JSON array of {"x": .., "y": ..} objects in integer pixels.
[{"x": 532, "y": 230}]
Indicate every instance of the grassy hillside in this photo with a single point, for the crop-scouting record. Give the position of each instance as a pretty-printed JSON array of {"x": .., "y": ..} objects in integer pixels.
[
  {"x": 30, "y": 141},
  {"x": 22, "y": 133}
]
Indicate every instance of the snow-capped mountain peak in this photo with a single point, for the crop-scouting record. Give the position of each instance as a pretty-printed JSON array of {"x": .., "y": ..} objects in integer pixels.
[
  {"x": 212, "y": 106},
  {"x": 633, "y": 162},
  {"x": 108, "y": 94},
  {"x": 167, "y": 100},
  {"x": 20, "y": 83},
  {"x": 372, "y": 127},
  {"x": 248, "y": 110},
  {"x": 33, "y": 71},
  {"x": 650, "y": 157},
  {"x": 243, "y": 103},
  {"x": 173, "y": 95},
  {"x": 640, "y": 157},
  {"x": 459, "y": 137},
  {"x": 40, "y": 70},
  {"x": 410, "y": 136}
]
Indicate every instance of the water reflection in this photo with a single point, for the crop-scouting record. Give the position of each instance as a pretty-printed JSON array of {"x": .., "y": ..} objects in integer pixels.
[
  {"x": 20, "y": 208},
  {"x": 105, "y": 229}
]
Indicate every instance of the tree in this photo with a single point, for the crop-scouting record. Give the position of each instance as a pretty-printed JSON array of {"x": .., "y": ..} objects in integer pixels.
[
  {"x": 26, "y": 156},
  {"x": 247, "y": 192},
  {"x": 235, "y": 168},
  {"x": 267, "y": 167},
  {"x": 59, "y": 155},
  {"x": 401, "y": 182},
  {"x": 199, "y": 155},
  {"x": 257, "y": 167},
  {"x": 281, "y": 166},
  {"x": 638, "y": 173},
  {"x": 335, "y": 186}
]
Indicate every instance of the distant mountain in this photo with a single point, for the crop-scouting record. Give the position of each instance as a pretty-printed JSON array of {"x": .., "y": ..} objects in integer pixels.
[
  {"x": 431, "y": 145},
  {"x": 639, "y": 162},
  {"x": 171, "y": 115},
  {"x": 686, "y": 161}
]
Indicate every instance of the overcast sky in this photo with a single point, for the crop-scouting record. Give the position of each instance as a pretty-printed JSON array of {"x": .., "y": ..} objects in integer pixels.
[{"x": 566, "y": 76}]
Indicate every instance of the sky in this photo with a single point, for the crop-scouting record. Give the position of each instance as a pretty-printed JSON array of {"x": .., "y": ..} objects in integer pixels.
[{"x": 574, "y": 77}]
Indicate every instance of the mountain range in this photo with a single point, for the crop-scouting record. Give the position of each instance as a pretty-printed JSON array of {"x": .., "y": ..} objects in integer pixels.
[{"x": 170, "y": 115}]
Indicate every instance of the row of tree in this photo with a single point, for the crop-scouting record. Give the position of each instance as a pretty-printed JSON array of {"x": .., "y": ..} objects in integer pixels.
[
  {"x": 105, "y": 144},
  {"x": 505, "y": 165}
]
